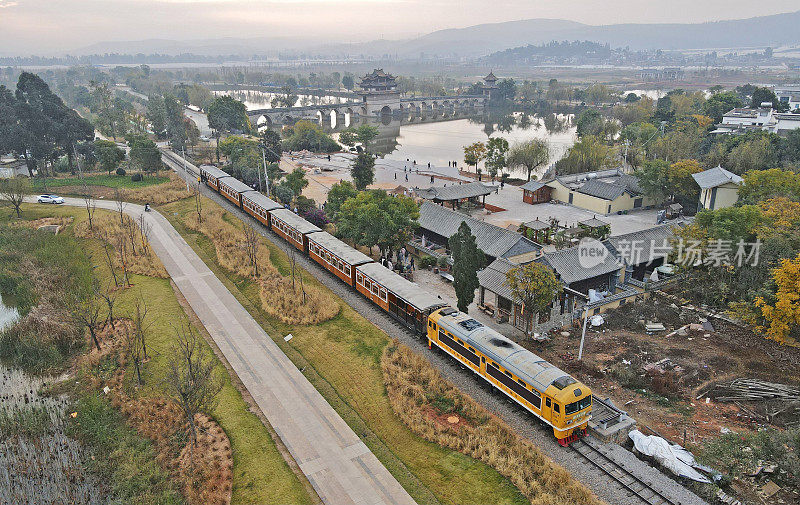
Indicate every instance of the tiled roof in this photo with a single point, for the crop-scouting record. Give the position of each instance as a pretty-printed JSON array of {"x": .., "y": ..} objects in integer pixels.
[
  {"x": 593, "y": 223},
  {"x": 533, "y": 185},
  {"x": 492, "y": 240},
  {"x": 536, "y": 224},
  {"x": 602, "y": 190},
  {"x": 493, "y": 278},
  {"x": 642, "y": 246},
  {"x": 455, "y": 192},
  {"x": 714, "y": 177},
  {"x": 567, "y": 265}
]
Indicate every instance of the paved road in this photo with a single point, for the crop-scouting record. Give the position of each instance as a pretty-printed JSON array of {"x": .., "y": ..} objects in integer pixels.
[{"x": 338, "y": 464}]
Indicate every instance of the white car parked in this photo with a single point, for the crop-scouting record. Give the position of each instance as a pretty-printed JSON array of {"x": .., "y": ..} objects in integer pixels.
[{"x": 50, "y": 199}]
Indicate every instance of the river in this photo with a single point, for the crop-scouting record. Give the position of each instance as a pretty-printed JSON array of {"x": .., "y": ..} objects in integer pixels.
[{"x": 440, "y": 138}]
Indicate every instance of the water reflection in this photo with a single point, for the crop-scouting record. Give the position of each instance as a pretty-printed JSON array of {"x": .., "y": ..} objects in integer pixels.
[{"x": 8, "y": 315}]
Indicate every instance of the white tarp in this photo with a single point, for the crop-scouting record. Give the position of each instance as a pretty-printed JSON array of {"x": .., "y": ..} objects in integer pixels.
[{"x": 672, "y": 457}]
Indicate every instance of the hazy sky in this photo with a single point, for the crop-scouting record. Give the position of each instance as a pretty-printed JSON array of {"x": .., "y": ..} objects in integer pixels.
[{"x": 57, "y": 26}]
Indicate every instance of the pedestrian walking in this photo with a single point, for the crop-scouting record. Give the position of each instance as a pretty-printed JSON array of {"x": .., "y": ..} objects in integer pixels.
[
  {"x": 395, "y": 176},
  {"x": 431, "y": 179},
  {"x": 406, "y": 177},
  {"x": 429, "y": 164},
  {"x": 411, "y": 262}
]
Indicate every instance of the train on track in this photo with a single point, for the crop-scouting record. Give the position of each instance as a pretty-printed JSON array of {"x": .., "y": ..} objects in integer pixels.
[{"x": 541, "y": 388}]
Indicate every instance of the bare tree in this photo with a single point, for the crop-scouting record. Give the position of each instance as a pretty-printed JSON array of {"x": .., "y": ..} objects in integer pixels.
[
  {"x": 109, "y": 296},
  {"x": 85, "y": 312},
  {"x": 251, "y": 244},
  {"x": 13, "y": 190},
  {"x": 122, "y": 251},
  {"x": 144, "y": 231},
  {"x": 192, "y": 377},
  {"x": 110, "y": 264},
  {"x": 89, "y": 202},
  {"x": 120, "y": 205},
  {"x": 291, "y": 253},
  {"x": 131, "y": 228},
  {"x": 198, "y": 203},
  {"x": 136, "y": 338}
]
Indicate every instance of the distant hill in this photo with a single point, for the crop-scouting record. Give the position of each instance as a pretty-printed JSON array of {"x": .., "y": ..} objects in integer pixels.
[{"x": 484, "y": 39}]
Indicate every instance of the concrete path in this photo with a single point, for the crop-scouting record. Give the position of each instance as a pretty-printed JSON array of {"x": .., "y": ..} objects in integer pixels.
[{"x": 338, "y": 464}]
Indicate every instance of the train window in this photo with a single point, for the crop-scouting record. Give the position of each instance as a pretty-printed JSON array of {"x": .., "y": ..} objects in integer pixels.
[
  {"x": 577, "y": 406},
  {"x": 556, "y": 408},
  {"x": 547, "y": 402}
]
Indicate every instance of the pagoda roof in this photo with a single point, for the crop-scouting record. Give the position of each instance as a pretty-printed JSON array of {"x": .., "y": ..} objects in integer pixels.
[{"x": 490, "y": 77}]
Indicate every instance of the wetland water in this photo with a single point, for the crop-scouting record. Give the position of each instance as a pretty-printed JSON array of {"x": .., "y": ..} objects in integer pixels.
[{"x": 39, "y": 464}]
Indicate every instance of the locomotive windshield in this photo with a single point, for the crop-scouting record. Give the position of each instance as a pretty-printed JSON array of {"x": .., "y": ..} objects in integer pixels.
[{"x": 581, "y": 404}]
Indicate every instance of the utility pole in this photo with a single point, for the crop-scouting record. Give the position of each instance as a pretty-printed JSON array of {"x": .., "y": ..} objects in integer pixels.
[
  {"x": 266, "y": 177},
  {"x": 183, "y": 157},
  {"x": 583, "y": 333}
]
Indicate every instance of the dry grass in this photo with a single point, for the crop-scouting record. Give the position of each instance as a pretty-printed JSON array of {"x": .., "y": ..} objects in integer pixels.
[
  {"x": 159, "y": 194},
  {"x": 206, "y": 474},
  {"x": 280, "y": 297},
  {"x": 60, "y": 221},
  {"x": 139, "y": 256},
  {"x": 434, "y": 409}
]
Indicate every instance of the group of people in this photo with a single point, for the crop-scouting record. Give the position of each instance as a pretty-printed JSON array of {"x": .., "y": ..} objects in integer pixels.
[{"x": 404, "y": 261}]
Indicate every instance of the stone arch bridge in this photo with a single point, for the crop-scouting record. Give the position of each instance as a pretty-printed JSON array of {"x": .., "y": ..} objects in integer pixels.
[{"x": 341, "y": 113}]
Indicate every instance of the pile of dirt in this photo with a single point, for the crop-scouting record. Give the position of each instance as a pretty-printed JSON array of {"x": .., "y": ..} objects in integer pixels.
[{"x": 656, "y": 310}]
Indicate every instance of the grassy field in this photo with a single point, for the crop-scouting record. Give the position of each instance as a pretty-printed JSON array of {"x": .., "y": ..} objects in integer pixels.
[
  {"x": 260, "y": 473},
  {"x": 111, "y": 181},
  {"x": 341, "y": 357}
]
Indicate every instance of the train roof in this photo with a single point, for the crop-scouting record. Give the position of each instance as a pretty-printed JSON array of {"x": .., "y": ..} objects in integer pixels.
[
  {"x": 212, "y": 170},
  {"x": 339, "y": 248},
  {"x": 295, "y": 221},
  {"x": 534, "y": 370},
  {"x": 401, "y": 287},
  {"x": 262, "y": 201},
  {"x": 236, "y": 184}
]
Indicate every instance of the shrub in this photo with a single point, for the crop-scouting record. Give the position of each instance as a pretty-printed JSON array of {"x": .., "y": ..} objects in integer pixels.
[
  {"x": 426, "y": 261},
  {"x": 136, "y": 177},
  {"x": 121, "y": 171}
]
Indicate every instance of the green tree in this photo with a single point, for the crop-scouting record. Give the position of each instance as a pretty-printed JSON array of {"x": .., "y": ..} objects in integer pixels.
[
  {"x": 496, "y": 149},
  {"x": 226, "y": 114},
  {"x": 284, "y": 98},
  {"x": 363, "y": 171},
  {"x": 145, "y": 155},
  {"x": 721, "y": 103},
  {"x": 474, "y": 154},
  {"x": 310, "y": 136},
  {"x": 364, "y": 134},
  {"x": 586, "y": 155},
  {"x": 731, "y": 223},
  {"x": 653, "y": 179},
  {"x": 338, "y": 194},
  {"x": 271, "y": 143},
  {"x": 373, "y": 218},
  {"x": 157, "y": 115},
  {"x": 762, "y": 185},
  {"x": 535, "y": 286},
  {"x": 108, "y": 154},
  {"x": 176, "y": 129},
  {"x": 284, "y": 193},
  {"x": 529, "y": 155},
  {"x": 682, "y": 184},
  {"x": 467, "y": 260},
  {"x": 506, "y": 91},
  {"x": 296, "y": 181},
  {"x": 756, "y": 154},
  {"x": 348, "y": 82},
  {"x": 762, "y": 95},
  {"x": 110, "y": 119}
]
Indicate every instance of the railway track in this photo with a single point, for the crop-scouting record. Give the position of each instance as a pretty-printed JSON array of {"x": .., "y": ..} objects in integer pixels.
[
  {"x": 627, "y": 488},
  {"x": 633, "y": 484}
]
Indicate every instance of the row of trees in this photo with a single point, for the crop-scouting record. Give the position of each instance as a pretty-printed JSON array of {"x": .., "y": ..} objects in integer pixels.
[{"x": 497, "y": 155}]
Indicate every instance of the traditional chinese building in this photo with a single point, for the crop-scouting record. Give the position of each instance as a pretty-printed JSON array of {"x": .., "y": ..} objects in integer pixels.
[
  {"x": 379, "y": 93},
  {"x": 490, "y": 84}
]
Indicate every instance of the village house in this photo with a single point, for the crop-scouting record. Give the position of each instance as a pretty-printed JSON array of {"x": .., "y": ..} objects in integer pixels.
[
  {"x": 719, "y": 188},
  {"x": 603, "y": 192}
]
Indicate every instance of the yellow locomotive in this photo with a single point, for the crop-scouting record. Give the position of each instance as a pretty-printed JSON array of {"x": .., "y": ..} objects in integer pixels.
[{"x": 549, "y": 393}]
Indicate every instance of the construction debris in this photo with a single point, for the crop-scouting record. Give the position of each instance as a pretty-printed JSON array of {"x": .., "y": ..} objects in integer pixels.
[{"x": 753, "y": 390}]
